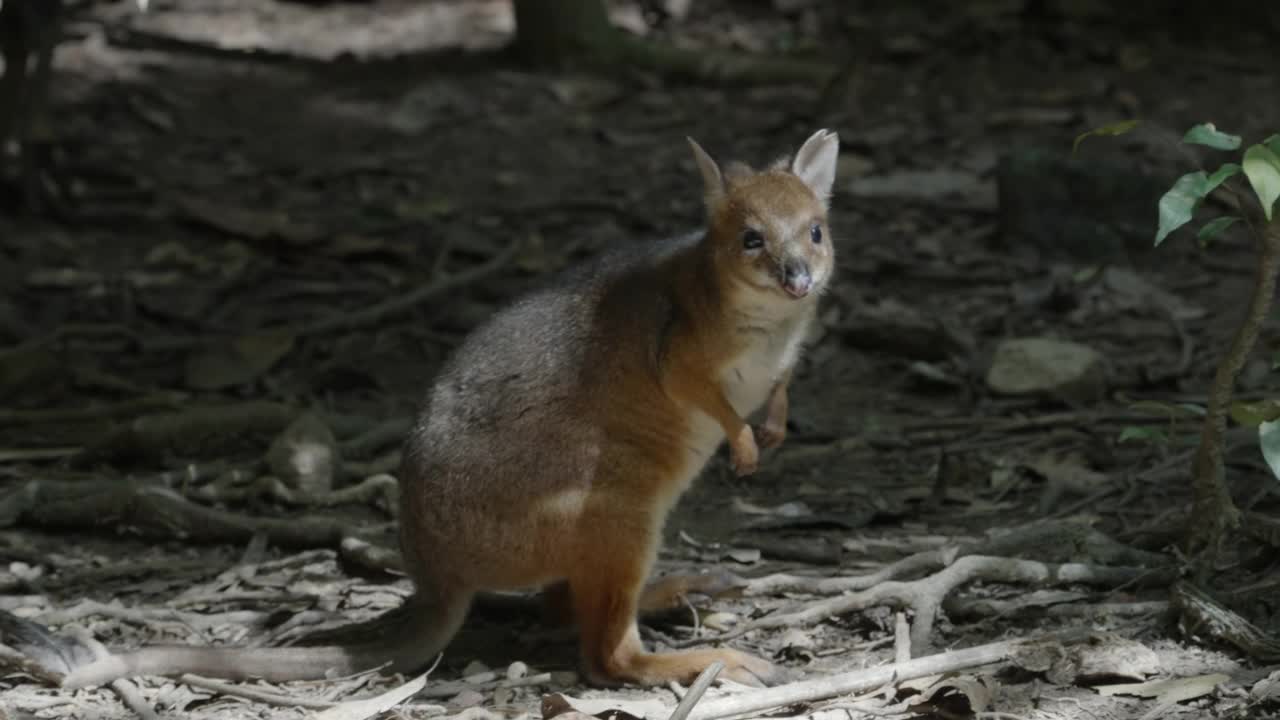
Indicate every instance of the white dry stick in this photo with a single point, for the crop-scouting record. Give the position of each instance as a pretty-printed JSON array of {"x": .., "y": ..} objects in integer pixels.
[
  {"x": 924, "y": 596},
  {"x": 927, "y": 560},
  {"x": 857, "y": 681},
  {"x": 695, "y": 691},
  {"x": 368, "y": 707},
  {"x": 901, "y": 638},
  {"x": 248, "y": 692}
]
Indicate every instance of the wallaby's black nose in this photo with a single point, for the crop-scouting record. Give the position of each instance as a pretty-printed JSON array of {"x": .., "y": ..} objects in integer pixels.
[{"x": 796, "y": 279}]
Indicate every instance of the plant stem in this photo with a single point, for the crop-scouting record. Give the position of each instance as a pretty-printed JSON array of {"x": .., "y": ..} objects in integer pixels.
[{"x": 1214, "y": 513}]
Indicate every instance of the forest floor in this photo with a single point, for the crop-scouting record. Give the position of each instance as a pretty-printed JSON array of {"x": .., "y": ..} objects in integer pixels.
[{"x": 251, "y": 183}]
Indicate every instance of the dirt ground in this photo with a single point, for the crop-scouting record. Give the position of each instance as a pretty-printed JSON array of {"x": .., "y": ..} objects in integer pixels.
[{"x": 249, "y": 179}]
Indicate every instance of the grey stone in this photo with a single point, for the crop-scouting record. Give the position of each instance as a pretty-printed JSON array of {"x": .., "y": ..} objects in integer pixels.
[{"x": 1067, "y": 371}]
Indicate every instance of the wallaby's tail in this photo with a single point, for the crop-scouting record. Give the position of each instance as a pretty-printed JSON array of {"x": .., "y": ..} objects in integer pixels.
[{"x": 404, "y": 640}]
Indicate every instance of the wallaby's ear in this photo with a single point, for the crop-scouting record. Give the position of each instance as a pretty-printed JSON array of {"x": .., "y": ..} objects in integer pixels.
[
  {"x": 712, "y": 180},
  {"x": 815, "y": 164}
]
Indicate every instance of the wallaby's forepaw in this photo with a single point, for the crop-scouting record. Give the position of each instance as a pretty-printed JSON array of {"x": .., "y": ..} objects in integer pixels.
[
  {"x": 770, "y": 435},
  {"x": 750, "y": 670},
  {"x": 745, "y": 452}
]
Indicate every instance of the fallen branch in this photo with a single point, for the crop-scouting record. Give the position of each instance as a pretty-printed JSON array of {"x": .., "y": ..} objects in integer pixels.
[
  {"x": 1056, "y": 541},
  {"x": 153, "y": 511},
  {"x": 1062, "y": 608},
  {"x": 756, "y": 701},
  {"x": 126, "y": 408},
  {"x": 191, "y": 432},
  {"x": 440, "y": 286},
  {"x": 255, "y": 694},
  {"x": 381, "y": 486},
  {"x": 1199, "y": 613},
  {"x": 696, "y": 691},
  {"x": 924, "y": 596},
  {"x": 910, "y": 565},
  {"x": 148, "y": 616}
]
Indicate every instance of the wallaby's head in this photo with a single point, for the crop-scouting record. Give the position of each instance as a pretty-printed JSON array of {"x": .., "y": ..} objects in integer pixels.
[{"x": 768, "y": 228}]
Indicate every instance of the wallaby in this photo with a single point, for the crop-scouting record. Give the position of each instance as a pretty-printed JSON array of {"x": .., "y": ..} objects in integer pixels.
[{"x": 562, "y": 430}]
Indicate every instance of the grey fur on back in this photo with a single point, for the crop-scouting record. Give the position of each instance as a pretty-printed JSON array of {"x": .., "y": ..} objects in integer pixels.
[{"x": 510, "y": 418}]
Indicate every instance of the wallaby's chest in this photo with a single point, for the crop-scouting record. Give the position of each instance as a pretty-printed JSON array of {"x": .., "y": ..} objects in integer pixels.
[{"x": 768, "y": 351}]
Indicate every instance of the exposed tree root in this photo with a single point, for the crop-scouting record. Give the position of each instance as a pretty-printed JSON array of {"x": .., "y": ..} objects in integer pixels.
[
  {"x": 1200, "y": 614},
  {"x": 924, "y": 596},
  {"x": 153, "y": 511},
  {"x": 1058, "y": 541},
  {"x": 755, "y": 701}
]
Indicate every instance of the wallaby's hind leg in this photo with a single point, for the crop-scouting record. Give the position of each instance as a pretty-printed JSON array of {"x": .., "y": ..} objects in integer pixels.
[{"x": 605, "y": 600}]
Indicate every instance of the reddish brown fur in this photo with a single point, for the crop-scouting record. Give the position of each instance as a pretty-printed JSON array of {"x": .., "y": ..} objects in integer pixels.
[{"x": 562, "y": 432}]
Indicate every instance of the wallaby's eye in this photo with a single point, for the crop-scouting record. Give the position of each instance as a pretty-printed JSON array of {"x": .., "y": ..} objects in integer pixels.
[
  {"x": 752, "y": 239},
  {"x": 816, "y": 234}
]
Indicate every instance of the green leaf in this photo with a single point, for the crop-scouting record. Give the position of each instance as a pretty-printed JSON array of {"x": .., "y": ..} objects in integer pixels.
[
  {"x": 1142, "y": 434},
  {"x": 1180, "y": 203},
  {"x": 1262, "y": 167},
  {"x": 1269, "y": 441},
  {"x": 1220, "y": 176},
  {"x": 1273, "y": 142},
  {"x": 1249, "y": 414},
  {"x": 1116, "y": 128},
  {"x": 1214, "y": 228},
  {"x": 1208, "y": 135}
]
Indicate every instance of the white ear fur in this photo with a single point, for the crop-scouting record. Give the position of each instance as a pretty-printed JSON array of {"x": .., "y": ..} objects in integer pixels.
[
  {"x": 815, "y": 164},
  {"x": 712, "y": 180}
]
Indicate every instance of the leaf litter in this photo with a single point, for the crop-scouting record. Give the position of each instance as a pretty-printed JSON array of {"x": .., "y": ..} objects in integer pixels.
[{"x": 261, "y": 261}]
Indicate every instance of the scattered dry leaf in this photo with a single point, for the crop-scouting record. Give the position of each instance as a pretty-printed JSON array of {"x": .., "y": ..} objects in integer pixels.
[
  {"x": 1173, "y": 690},
  {"x": 558, "y": 704}
]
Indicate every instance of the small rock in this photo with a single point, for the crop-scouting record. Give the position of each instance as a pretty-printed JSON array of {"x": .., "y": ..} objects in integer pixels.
[
  {"x": 1067, "y": 371},
  {"x": 467, "y": 698},
  {"x": 480, "y": 678},
  {"x": 305, "y": 456},
  {"x": 517, "y": 670},
  {"x": 720, "y": 620},
  {"x": 1268, "y": 688},
  {"x": 746, "y": 556}
]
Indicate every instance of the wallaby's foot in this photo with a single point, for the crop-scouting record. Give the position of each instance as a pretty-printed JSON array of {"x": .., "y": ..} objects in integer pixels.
[
  {"x": 744, "y": 452},
  {"x": 748, "y": 669},
  {"x": 654, "y": 669}
]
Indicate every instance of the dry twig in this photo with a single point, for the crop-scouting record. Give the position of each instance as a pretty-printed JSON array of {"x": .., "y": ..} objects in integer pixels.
[{"x": 924, "y": 596}]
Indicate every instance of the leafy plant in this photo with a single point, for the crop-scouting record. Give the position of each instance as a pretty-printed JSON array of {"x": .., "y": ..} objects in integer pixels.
[{"x": 1215, "y": 512}]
